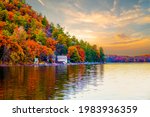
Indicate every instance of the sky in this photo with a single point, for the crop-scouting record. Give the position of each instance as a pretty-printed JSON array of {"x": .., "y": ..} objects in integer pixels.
[{"x": 121, "y": 27}]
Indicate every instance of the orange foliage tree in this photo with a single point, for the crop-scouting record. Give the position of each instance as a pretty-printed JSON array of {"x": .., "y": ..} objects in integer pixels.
[
  {"x": 34, "y": 49},
  {"x": 51, "y": 43},
  {"x": 13, "y": 52}
]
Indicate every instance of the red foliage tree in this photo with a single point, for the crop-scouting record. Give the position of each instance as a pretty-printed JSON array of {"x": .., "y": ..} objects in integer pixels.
[{"x": 81, "y": 53}]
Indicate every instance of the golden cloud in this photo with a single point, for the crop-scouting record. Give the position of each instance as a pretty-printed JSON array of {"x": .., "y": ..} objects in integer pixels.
[{"x": 107, "y": 19}]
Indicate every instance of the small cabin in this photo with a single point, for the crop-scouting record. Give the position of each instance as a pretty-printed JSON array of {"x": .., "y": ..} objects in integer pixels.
[{"x": 62, "y": 59}]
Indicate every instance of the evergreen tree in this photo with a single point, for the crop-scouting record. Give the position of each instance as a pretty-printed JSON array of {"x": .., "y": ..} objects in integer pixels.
[
  {"x": 75, "y": 57},
  {"x": 44, "y": 21},
  {"x": 102, "y": 55}
]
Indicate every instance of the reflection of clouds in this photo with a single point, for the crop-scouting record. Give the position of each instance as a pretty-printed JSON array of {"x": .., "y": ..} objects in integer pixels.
[
  {"x": 86, "y": 80},
  {"x": 91, "y": 79}
]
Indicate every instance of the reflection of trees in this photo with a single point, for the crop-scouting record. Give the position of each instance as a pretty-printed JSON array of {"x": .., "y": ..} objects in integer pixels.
[
  {"x": 41, "y": 82},
  {"x": 102, "y": 71},
  {"x": 27, "y": 82},
  {"x": 61, "y": 80},
  {"x": 12, "y": 82},
  {"x": 1, "y": 82},
  {"x": 33, "y": 83},
  {"x": 47, "y": 82}
]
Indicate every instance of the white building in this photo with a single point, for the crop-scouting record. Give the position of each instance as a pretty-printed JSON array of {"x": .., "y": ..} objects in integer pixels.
[{"x": 62, "y": 59}]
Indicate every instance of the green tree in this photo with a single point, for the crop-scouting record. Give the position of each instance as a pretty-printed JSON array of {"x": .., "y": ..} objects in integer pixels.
[
  {"x": 2, "y": 7},
  {"x": 44, "y": 21},
  {"x": 9, "y": 27},
  {"x": 23, "y": 1},
  {"x": 73, "y": 54},
  {"x": 41, "y": 37},
  {"x": 6, "y": 33},
  {"x": 61, "y": 49},
  {"x": 75, "y": 57},
  {"x": 102, "y": 55},
  {"x": 3, "y": 15}
]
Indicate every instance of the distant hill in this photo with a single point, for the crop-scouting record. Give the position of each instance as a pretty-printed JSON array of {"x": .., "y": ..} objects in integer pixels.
[
  {"x": 116, "y": 58},
  {"x": 26, "y": 34}
]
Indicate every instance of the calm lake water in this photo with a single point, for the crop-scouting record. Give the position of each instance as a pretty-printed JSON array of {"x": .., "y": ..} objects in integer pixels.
[{"x": 109, "y": 81}]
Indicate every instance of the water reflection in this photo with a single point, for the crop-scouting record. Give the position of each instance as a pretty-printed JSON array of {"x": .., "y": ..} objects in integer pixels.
[
  {"x": 33, "y": 83},
  {"x": 110, "y": 81}
]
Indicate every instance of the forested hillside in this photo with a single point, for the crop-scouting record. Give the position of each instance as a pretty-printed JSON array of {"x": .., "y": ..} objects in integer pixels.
[{"x": 26, "y": 34}]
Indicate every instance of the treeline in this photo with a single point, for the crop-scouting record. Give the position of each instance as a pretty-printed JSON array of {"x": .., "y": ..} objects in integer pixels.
[
  {"x": 124, "y": 59},
  {"x": 26, "y": 34}
]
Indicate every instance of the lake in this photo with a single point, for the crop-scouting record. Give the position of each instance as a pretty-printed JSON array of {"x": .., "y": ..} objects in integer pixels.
[{"x": 76, "y": 82}]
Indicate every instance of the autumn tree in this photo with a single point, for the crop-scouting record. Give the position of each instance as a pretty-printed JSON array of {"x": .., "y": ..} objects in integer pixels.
[
  {"x": 32, "y": 49},
  {"x": 51, "y": 43},
  {"x": 81, "y": 53}
]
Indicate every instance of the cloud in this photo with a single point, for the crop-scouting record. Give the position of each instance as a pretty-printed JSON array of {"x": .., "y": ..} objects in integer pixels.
[
  {"x": 135, "y": 47},
  {"x": 123, "y": 39},
  {"x": 115, "y": 6},
  {"x": 143, "y": 20},
  {"x": 41, "y": 2},
  {"x": 84, "y": 34},
  {"x": 122, "y": 36},
  {"x": 106, "y": 19},
  {"x": 126, "y": 42}
]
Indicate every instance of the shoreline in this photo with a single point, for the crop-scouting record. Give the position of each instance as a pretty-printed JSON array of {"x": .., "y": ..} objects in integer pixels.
[
  {"x": 61, "y": 64},
  {"x": 51, "y": 64}
]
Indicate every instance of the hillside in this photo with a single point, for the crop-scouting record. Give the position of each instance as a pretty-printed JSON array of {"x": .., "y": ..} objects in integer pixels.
[{"x": 26, "y": 34}]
